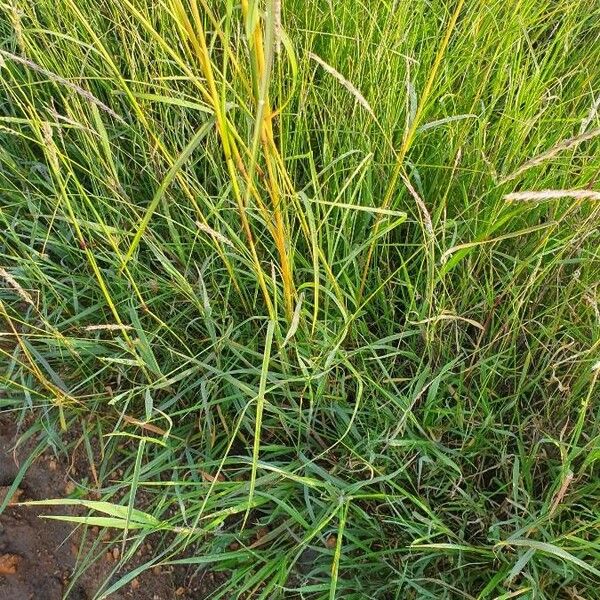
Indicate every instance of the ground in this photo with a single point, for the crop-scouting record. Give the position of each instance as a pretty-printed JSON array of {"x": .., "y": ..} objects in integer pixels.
[{"x": 38, "y": 556}]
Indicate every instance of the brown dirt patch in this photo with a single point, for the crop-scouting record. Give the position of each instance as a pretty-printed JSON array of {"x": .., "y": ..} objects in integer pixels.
[{"x": 38, "y": 556}]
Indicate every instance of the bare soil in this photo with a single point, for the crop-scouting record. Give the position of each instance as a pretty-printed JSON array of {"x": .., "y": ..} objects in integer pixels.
[{"x": 38, "y": 556}]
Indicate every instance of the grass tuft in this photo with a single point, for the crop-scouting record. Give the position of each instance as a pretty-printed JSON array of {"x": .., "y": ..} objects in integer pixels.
[{"x": 314, "y": 286}]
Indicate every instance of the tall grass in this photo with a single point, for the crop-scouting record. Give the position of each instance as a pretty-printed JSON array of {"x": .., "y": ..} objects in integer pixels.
[{"x": 315, "y": 283}]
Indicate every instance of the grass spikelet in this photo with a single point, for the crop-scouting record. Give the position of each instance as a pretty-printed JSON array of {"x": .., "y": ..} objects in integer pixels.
[
  {"x": 277, "y": 24},
  {"x": 563, "y": 146},
  {"x": 108, "y": 327},
  {"x": 214, "y": 234},
  {"x": 23, "y": 294},
  {"x": 58, "y": 79},
  {"x": 532, "y": 196},
  {"x": 344, "y": 82}
]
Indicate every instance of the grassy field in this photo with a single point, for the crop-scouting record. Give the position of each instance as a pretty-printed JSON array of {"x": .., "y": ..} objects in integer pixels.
[{"x": 315, "y": 284}]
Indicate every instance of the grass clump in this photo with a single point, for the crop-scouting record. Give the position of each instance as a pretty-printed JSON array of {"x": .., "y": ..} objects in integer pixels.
[{"x": 317, "y": 282}]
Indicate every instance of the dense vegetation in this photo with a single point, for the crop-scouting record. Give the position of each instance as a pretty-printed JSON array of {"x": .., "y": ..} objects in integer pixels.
[{"x": 259, "y": 261}]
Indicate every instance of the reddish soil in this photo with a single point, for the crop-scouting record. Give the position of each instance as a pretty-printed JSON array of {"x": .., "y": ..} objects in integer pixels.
[{"x": 38, "y": 556}]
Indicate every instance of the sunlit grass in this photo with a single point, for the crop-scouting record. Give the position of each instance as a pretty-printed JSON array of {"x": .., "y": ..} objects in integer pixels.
[{"x": 317, "y": 289}]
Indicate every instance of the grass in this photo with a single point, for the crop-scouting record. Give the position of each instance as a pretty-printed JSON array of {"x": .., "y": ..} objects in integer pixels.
[{"x": 316, "y": 290}]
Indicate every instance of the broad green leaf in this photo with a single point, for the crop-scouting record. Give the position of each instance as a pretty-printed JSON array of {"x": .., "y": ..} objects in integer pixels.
[{"x": 107, "y": 508}]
